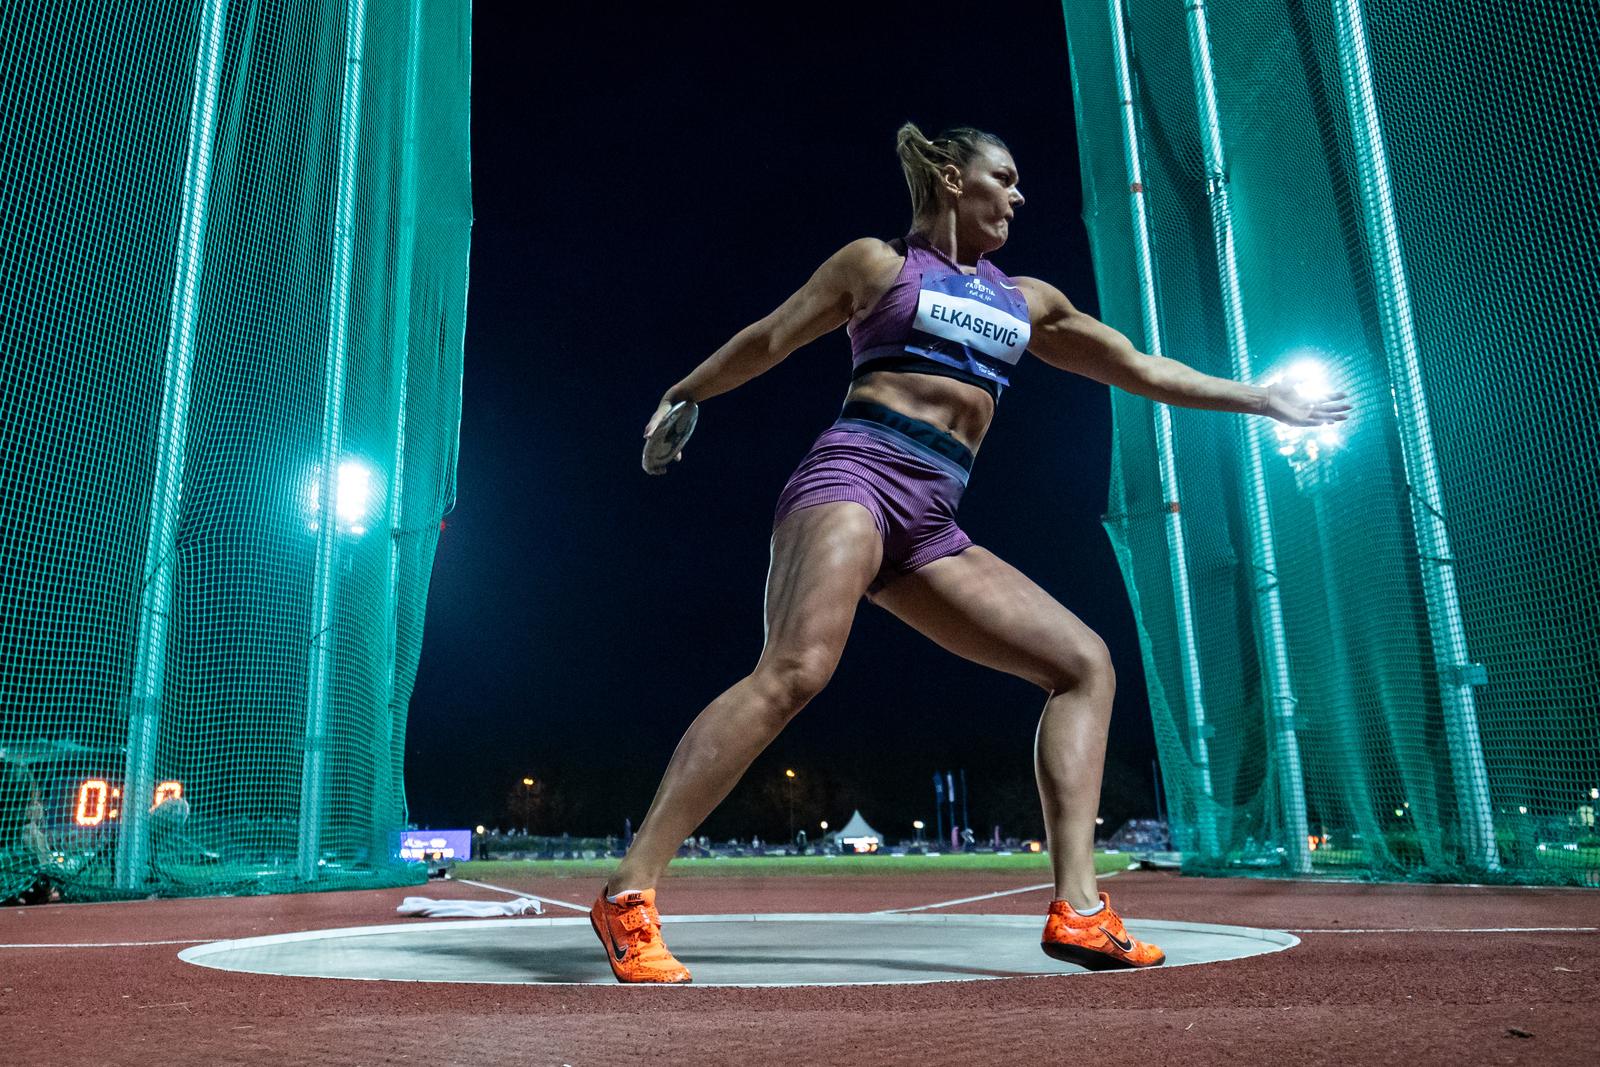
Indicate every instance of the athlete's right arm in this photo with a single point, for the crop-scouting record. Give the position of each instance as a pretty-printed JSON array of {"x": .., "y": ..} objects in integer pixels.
[{"x": 822, "y": 304}]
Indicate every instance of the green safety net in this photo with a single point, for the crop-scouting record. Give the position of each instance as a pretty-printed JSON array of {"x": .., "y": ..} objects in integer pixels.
[
  {"x": 1373, "y": 653},
  {"x": 230, "y": 386}
]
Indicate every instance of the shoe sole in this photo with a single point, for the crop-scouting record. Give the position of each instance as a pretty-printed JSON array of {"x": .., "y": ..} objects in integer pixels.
[
  {"x": 605, "y": 944},
  {"x": 1089, "y": 959}
]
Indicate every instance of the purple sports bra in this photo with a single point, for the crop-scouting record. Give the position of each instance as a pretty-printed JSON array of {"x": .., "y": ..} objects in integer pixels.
[{"x": 937, "y": 319}]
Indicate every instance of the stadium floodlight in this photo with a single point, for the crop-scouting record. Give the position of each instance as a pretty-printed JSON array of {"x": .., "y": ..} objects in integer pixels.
[
  {"x": 824, "y": 824},
  {"x": 1594, "y": 794},
  {"x": 352, "y": 501},
  {"x": 1304, "y": 445}
]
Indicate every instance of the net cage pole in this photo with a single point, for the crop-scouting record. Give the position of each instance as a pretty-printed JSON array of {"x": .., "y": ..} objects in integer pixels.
[
  {"x": 325, "y": 592},
  {"x": 158, "y": 572},
  {"x": 1177, "y": 549},
  {"x": 400, "y": 371},
  {"x": 1457, "y": 674},
  {"x": 1258, "y": 520}
]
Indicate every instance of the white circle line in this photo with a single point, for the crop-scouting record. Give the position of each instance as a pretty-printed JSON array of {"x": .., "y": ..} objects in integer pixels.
[
  {"x": 1274, "y": 940},
  {"x": 108, "y": 944},
  {"x": 1452, "y": 930}
]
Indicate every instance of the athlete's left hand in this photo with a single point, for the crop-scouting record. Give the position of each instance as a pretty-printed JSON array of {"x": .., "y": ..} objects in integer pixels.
[{"x": 1285, "y": 404}]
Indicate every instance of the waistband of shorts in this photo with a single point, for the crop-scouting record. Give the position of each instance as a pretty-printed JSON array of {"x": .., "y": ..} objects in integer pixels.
[{"x": 920, "y": 435}]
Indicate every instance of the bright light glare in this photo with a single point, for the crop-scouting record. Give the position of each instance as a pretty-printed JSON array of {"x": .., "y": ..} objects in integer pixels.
[
  {"x": 1304, "y": 445},
  {"x": 916, "y": 824},
  {"x": 824, "y": 824},
  {"x": 355, "y": 491},
  {"x": 352, "y": 497}
]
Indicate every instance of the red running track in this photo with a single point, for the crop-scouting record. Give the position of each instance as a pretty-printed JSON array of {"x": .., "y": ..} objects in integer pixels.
[{"x": 1384, "y": 974}]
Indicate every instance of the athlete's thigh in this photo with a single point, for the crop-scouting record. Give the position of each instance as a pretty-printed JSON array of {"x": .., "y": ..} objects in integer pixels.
[
  {"x": 981, "y": 608},
  {"x": 823, "y": 559}
]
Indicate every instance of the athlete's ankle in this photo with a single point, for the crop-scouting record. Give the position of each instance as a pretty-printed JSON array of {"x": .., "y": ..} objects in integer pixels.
[
  {"x": 1082, "y": 904},
  {"x": 617, "y": 884}
]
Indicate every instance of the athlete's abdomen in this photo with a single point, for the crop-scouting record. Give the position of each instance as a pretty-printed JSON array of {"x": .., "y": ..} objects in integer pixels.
[{"x": 959, "y": 408}]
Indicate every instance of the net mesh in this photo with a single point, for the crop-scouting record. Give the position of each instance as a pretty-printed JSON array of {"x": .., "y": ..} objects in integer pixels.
[
  {"x": 230, "y": 364},
  {"x": 1375, "y": 654}
]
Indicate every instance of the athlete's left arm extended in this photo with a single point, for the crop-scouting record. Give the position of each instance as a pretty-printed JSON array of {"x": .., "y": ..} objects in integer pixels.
[{"x": 1067, "y": 338}]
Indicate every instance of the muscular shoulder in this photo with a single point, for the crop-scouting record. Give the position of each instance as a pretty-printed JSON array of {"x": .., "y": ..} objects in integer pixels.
[
  {"x": 865, "y": 267},
  {"x": 869, "y": 256},
  {"x": 1045, "y": 301}
]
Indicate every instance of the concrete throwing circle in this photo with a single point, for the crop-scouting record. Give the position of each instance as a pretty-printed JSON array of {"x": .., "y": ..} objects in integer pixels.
[{"x": 720, "y": 950}]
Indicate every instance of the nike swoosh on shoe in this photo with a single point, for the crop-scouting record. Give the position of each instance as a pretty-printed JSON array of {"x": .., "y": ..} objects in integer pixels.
[{"x": 1126, "y": 946}]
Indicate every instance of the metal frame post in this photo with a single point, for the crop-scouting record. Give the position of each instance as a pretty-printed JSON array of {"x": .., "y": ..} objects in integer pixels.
[
  {"x": 1177, "y": 550},
  {"x": 390, "y": 764},
  {"x": 1457, "y": 674},
  {"x": 158, "y": 574},
  {"x": 1263, "y": 552},
  {"x": 320, "y": 666}
]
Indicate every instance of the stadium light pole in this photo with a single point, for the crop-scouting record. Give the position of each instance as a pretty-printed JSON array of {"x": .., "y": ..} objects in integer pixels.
[
  {"x": 158, "y": 574},
  {"x": 1458, "y": 676},
  {"x": 789, "y": 777},
  {"x": 1274, "y": 643},
  {"x": 1166, "y": 463},
  {"x": 325, "y": 580}
]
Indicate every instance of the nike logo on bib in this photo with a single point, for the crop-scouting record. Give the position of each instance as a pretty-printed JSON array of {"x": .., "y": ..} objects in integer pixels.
[{"x": 1126, "y": 946}]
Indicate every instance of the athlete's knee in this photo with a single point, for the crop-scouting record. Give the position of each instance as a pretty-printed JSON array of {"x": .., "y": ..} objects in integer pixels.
[
  {"x": 790, "y": 678},
  {"x": 1084, "y": 662}
]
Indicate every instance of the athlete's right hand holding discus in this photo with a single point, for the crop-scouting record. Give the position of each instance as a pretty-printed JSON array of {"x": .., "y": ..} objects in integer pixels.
[
  {"x": 666, "y": 433},
  {"x": 935, "y": 331}
]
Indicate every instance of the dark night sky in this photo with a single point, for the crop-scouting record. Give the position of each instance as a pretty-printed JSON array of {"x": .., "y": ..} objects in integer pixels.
[{"x": 643, "y": 189}]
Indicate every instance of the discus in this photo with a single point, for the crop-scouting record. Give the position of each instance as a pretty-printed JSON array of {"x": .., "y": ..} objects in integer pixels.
[{"x": 671, "y": 434}]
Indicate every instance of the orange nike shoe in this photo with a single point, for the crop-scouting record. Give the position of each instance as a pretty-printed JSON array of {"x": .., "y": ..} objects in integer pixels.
[
  {"x": 1098, "y": 942},
  {"x": 631, "y": 932}
]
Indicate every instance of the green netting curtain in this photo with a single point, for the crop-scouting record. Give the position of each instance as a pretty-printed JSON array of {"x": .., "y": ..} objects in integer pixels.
[
  {"x": 1378, "y": 653},
  {"x": 233, "y": 252}
]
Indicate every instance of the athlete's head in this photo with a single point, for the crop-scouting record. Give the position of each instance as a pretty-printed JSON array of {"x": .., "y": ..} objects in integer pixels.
[{"x": 965, "y": 172}]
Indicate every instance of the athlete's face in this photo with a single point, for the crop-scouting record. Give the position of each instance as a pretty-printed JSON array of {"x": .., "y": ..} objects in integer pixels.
[{"x": 989, "y": 197}]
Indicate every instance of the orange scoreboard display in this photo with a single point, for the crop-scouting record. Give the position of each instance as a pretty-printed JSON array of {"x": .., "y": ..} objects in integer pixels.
[{"x": 98, "y": 801}]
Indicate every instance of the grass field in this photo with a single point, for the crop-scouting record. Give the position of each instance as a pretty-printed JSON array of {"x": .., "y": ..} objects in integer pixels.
[{"x": 1022, "y": 864}]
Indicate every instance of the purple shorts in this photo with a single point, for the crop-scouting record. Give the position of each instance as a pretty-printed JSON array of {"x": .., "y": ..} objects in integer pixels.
[{"x": 908, "y": 474}]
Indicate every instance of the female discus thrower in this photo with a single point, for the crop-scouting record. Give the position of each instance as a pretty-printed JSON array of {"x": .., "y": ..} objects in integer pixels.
[{"x": 935, "y": 329}]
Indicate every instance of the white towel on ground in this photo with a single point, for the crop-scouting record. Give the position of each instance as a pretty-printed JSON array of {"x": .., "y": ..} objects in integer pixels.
[{"x": 426, "y": 908}]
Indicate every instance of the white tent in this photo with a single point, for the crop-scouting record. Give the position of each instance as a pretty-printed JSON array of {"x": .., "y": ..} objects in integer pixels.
[{"x": 855, "y": 836}]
